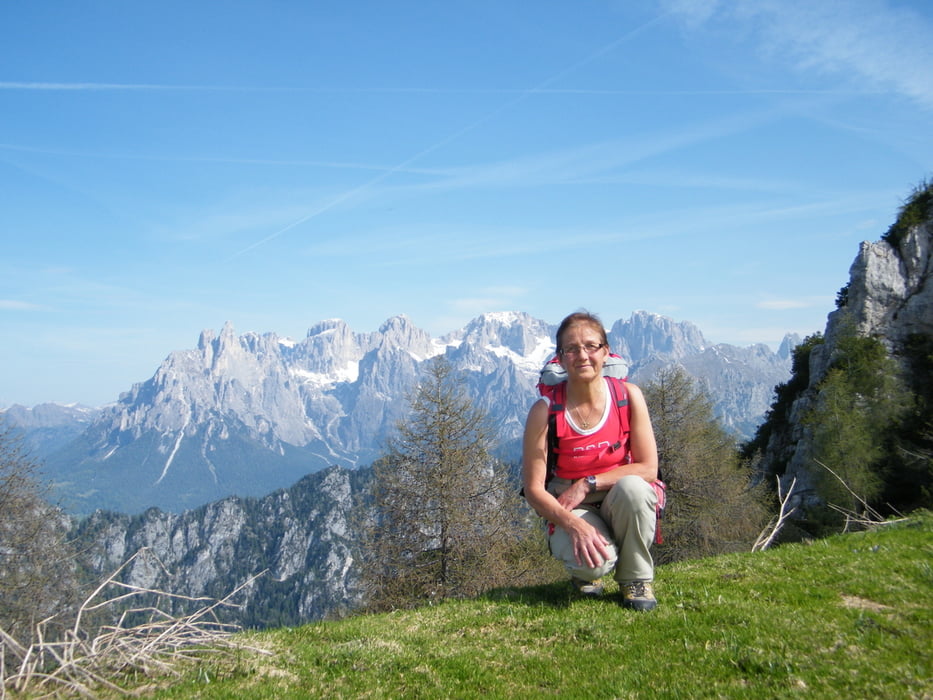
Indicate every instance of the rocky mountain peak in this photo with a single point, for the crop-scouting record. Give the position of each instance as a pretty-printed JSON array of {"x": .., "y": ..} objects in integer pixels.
[
  {"x": 786, "y": 349},
  {"x": 509, "y": 331},
  {"x": 330, "y": 325},
  {"x": 400, "y": 332},
  {"x": 249, "y": 413},
  {"x": 646, "y": 334}
]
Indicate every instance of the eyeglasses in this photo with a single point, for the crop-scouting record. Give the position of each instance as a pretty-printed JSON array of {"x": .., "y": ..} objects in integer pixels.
[{"x": 588, "y": 348}]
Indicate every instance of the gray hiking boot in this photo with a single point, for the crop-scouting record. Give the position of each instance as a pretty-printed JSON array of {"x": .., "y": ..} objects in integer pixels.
[
  {"x": 587, "y": 588},
  {"x": 638, "y": 595}
]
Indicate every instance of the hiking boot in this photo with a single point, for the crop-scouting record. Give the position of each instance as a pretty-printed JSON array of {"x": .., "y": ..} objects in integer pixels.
[
  {"x": 588, "y": 588},
  {"x": 638, "y": 595}
]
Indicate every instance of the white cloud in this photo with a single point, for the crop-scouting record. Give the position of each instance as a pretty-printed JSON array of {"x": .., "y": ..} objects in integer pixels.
[
  {"x": 7, "y": 85},
  {"x": 489, "y": 299},
  {"x": 506, "y": 291},
  {"x": 475, "y": 305},
  {"x": 859, "y": 41}
]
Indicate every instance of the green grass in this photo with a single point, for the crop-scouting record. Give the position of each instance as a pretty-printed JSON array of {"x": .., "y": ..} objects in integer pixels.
[{"x": 845, "y": 617}]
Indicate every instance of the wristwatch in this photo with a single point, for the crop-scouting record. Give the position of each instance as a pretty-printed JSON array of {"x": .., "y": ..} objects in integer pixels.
[{"x": 591, "y": 482}]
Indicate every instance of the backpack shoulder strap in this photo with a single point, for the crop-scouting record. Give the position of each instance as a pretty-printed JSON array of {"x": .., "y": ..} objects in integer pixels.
[
  {"x": 558, "y": 397},
  {"x": 619, "y": 393},
  {"x": 620, "y": 398}
]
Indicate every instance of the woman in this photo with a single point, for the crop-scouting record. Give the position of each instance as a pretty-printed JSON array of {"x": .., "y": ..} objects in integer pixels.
[{"x": 600, "y": 506}]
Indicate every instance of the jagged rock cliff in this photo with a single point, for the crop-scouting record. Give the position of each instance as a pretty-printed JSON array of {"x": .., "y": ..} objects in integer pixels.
[
  {"x": 889, "y": 297},
  {"x": 300, "y": 537},
  {"x": 889, "y": 294}
]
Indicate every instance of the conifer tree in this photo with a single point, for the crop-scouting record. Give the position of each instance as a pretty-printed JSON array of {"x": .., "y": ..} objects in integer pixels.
[
  {"x": 862, "y": 399},
  {"x": 446, "y": 517},
  {"x": 712, "y": 505}
]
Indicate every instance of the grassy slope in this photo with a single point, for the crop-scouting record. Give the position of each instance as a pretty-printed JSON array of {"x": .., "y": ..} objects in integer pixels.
[{"x": 846, "y": 617}]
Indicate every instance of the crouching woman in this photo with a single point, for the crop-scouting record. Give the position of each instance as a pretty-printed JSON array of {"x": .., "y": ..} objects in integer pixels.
[{"x": 599, "y": 505}]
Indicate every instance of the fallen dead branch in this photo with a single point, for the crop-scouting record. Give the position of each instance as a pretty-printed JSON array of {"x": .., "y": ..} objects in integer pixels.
[
  {"x": 85, "y": 658},
  {"x": 869, "y": 517},
  {"x": 855, "y": 521},
  {"x": 774, "y": 526}
]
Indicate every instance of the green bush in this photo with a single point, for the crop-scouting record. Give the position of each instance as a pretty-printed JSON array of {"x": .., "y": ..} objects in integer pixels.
[{"x": 917, "y": 209}]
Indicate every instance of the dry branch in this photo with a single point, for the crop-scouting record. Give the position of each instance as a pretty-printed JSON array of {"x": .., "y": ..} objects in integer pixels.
[
  {"x": 868, "y": 518},
  {"x": 85, "y": 659},
  {"x": 774, "y": 526}
]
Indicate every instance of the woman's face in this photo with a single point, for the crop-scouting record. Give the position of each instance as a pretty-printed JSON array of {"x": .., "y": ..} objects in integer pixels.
[{"x": 583, "y": 351}]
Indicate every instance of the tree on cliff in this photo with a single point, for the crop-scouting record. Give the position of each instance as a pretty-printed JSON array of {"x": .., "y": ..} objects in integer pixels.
[
  {"x": 861, "y": 402},
  {"x": 446, "y": 518},
  {"x": 866, "y": 413}
]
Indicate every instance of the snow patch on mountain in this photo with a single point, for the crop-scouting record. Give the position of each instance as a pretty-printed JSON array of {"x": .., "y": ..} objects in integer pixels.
[{"x": 348, "y": 374}]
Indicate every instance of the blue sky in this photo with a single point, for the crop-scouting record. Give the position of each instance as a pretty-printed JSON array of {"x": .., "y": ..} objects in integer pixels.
[{"x": 167, "y": 167}]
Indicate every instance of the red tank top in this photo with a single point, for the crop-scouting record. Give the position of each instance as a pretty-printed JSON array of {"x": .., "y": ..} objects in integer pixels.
[{"x": 580, "y": 455}]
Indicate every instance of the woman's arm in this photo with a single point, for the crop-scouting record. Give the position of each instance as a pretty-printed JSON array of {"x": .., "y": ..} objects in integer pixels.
[
  {"x": 534, "y": 463},
  {"x": 589, "y": 545}
]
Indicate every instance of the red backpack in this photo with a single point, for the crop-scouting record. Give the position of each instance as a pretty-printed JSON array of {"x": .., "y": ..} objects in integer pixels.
[{"x": 552, "y": 384}]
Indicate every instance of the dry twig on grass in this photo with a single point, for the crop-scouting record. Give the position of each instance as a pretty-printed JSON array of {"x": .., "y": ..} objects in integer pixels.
[
  {"x": 869, "y": 517},
  {"x": 774, "y": 526},
  {"x": 87, "y": 658}
]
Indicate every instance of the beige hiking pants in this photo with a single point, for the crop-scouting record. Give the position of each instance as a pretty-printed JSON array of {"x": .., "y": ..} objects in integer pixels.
[{"x": 626, "y": 517}]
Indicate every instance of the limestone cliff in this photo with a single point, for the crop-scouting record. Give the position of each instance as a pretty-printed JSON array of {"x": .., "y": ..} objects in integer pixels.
[
  {"x": 889, "y": 297},
  {"x": 299, "y": 541}
]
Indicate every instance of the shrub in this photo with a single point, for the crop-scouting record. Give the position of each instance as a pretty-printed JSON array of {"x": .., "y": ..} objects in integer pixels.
[{"x": 917, "y": 209}]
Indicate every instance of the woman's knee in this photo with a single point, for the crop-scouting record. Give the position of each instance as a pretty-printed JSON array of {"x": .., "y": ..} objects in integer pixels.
[
  {"x": 631, "y": 489},
  {"x": 561, "y": 547},
  {"x": 630, "y": 496},
  {"x": 587, "y": 573}
]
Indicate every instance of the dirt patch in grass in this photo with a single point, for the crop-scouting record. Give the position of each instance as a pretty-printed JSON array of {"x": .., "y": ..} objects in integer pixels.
[{"x": 853, "y": 601}]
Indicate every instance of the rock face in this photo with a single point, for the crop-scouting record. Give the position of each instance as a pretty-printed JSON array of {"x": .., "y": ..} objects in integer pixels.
[
  {"x": 244, "y": 415},
  {"x": 298, "y": 540},
  {"x": 889, "y": 297}
]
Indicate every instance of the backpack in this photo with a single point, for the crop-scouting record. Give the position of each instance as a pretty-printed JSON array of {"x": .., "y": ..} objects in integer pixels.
[{"x": 552, "y": 384}]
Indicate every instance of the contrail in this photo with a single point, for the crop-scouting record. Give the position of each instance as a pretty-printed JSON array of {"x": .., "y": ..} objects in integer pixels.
[
  {"x": 206, "y": 159},
  {"x": 103, "y": 86},
  {"x": 523, "y": 95},
  {"x": 521, "y": 92}
]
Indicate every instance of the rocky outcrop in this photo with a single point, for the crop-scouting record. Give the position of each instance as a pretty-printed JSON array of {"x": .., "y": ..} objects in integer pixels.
[
  {"x": 297, "y": 542},
  {"x": 889, "y": 297}
]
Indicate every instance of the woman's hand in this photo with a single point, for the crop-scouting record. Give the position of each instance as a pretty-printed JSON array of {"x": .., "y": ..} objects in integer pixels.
[{"x": 590, "y": 547}]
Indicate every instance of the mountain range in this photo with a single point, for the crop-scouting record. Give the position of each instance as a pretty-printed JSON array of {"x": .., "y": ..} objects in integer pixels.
[
  {"x": 268, "y": 395},
  {"x": 247, "y": 414}
]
